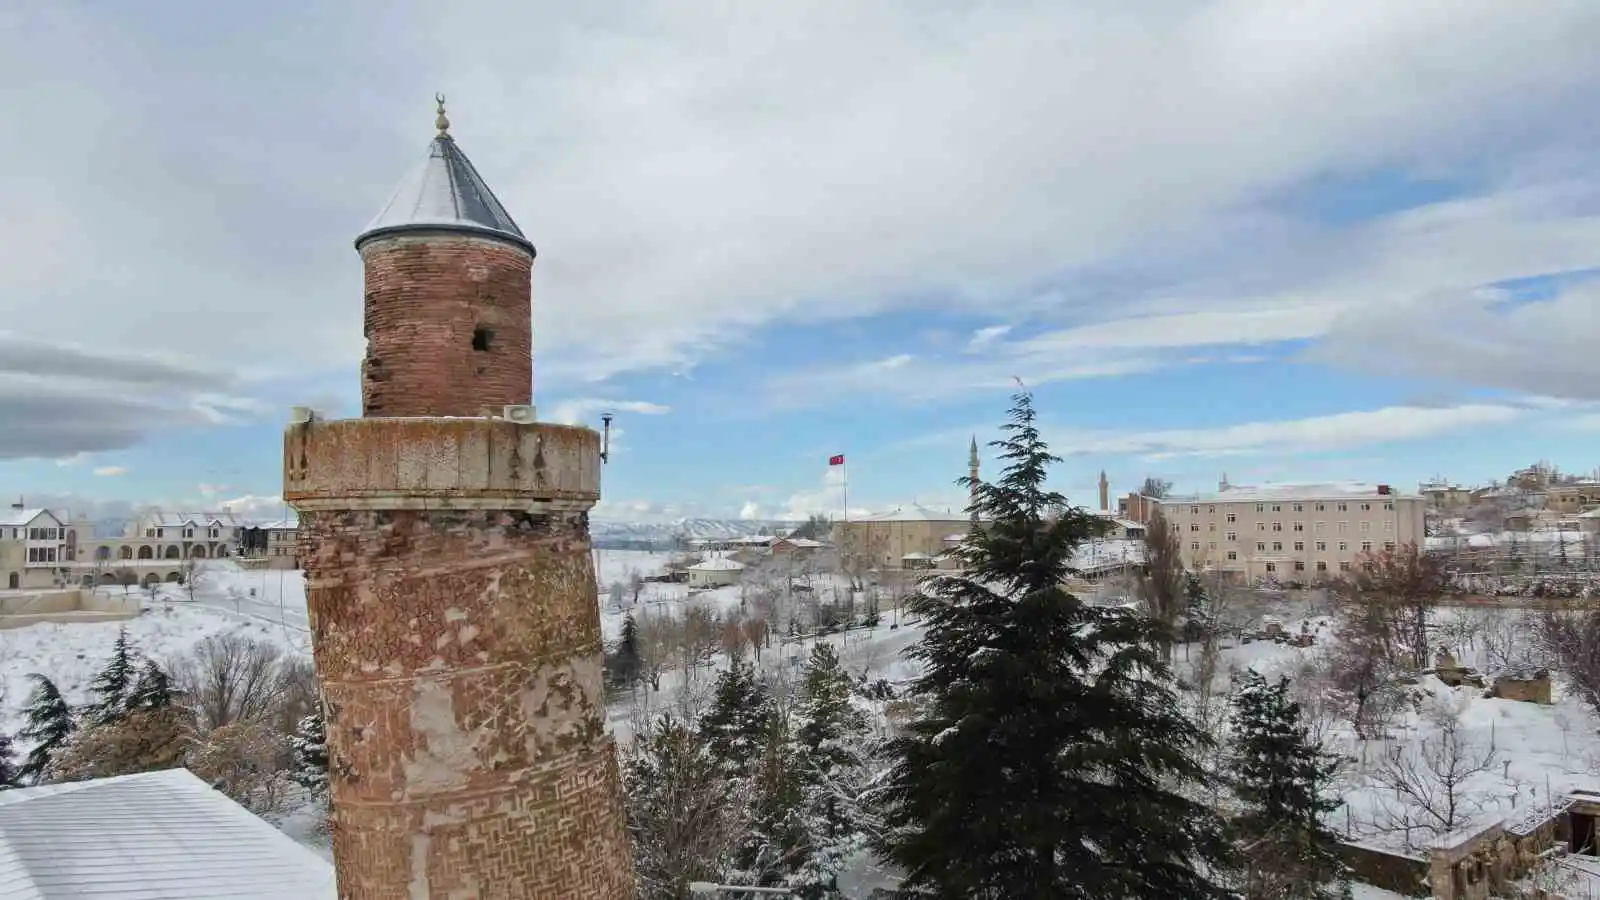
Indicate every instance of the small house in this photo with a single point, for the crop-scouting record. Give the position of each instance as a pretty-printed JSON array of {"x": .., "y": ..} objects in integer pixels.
[{"x": 715, "y": 572}]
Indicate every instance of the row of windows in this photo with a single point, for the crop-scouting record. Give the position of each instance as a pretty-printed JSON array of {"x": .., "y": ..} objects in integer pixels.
[
  {"x": 1300, "y": 546},
  {"x": 44, "y": 534},
  {"x": 1341, "y": 506},
  {"x": 187, "y": 532},
  {"x": 1298, "y": 566},
  {"x": 41, "y": 554},
  {"x": 1388, "y": 525}
]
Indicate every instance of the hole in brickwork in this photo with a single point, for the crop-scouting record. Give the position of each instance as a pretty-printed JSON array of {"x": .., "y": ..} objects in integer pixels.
[{"x": 481, "y": 337}]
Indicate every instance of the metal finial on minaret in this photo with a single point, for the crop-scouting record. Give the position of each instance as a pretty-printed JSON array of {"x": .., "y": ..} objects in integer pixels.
[{"x": 442, "y": 121}]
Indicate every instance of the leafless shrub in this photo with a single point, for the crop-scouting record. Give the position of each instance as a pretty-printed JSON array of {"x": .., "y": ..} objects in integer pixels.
[
  {"x": 142, "y": 741},
  {"x": 1362, "y": 674},
  {"x": 249, "y": 761},
  {"x": 1572, "y": 639},
  {"x": 1398, "y": 590}
]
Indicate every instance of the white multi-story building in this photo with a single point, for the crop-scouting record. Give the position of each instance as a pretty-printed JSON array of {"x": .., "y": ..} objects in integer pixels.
[
  {"x": 1293, "y": 532},
  {"x": 34, "y": 548}
]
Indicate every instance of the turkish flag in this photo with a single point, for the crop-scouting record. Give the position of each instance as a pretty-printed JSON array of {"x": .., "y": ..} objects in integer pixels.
[{"x": 836, "y": 460}]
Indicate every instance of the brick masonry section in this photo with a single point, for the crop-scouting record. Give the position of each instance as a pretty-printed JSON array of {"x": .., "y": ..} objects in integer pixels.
[
  {"x": 459, "y": 654},
  {"x": 449, "y": 326}
]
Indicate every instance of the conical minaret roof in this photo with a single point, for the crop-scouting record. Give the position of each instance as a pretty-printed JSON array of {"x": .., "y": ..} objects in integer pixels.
[{"x": 445, "y": 193}]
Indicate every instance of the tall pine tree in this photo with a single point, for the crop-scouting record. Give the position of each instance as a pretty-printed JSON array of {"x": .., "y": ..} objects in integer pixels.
[
  {"x": 49, "y": 727},
  {"x": 152, "y": 690},
  {"x": 736, "y": 727},
  {"x": 628, "y": 662},
  {"x": 1283, "y": 780},
  {"x": 832, "y": 742},
  {"x": 110, "y": 688},
  {"x": 1048, "y": 759},
  {"x": 10, "y": 775}
]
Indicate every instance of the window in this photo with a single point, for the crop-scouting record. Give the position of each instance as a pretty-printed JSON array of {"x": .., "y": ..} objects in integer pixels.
[
  {"x": 1195, "y": 510},
  {"x": 1176, "y": 528},
  {"x": 1366, "y": 507},
  {"x": 1211, "y": 510},
  {"x": 1299, "y": 526},
  {"x": 1344, "y": 545},
  {"x": 1321, "y": 526},
  {"x": 1194, "y": 545},
  {"x": 1344, "y": 567},
  {"x": 481, "y": 337},
  {"x": 1299, "y": 567},
  {"x": 1277, "y": 546},
  {"x": 1322, "y": 545},
  {"x": 149, "y": 532},
  {"x": 1322, "y": 507},
  {"x": 1233, "y": 554},
  {"x": 1322, "y": 567},
  {"x": 1194, "y": 526},
  {"x": 1366, "y": 527},
  {"x": 1366, "y": 546},
  {"x": 1272, "y": 567},
  {"x": 1211, "y": 545},
  {"x": 1344, "y": 507},
  {"x": 1232, "y": 517},
  {"x": 161, "y": 532},
  {"x": 1261, "y": 546},
  {"x": 213, "y": 532},
  {"x": 188, "y": 532},
  {"x": 1299, "y": 507},
  {"x": 1388, "y": 546},
  {"x": 1389, "y": 506},
  {"x": 1233, "y": 535},
  {"x": 1299, "y": 545},
  {"x": 1212, "y": 526},
  {"x": 1261, "y": 507},
  {"x": 1261, "y": 526},
  {"x": 1277, "y": 507},
  {"x": 1277, "y": 526},
  {"x": 1388, "y": 525},
  {"x": 1343, "y": 527}
]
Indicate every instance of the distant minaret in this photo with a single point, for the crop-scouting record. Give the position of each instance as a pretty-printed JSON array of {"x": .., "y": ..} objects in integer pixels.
[
  {"x": 1105, "y": 491},
  {"x": 972, "y": 473}
]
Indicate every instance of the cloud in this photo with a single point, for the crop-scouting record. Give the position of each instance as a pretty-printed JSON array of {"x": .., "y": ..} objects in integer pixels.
[
  {"x": 581, "y": 411},
  {"x": 750, "y": 510},
  {"x": 1312, "y": 434},
  {"x": 983, "y": 337},
  {"x": 1481, "y": 337},
  {"x": 110, "y": 471},
  {"x": 692, "y": 173}
]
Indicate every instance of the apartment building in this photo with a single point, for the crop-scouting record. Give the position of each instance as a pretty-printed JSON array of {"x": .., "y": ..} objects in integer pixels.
[
  {"x": 274, "y": 542},
  {"x": 33, "y": 548},
  {"x": 1292, "y": 532}
]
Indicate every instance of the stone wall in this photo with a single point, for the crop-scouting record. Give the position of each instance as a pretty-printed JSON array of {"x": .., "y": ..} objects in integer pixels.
[
  {"x": 446, "y": 326},
  {"x": 1392, "y": 871},
  {"x": 67, "y": 606}
]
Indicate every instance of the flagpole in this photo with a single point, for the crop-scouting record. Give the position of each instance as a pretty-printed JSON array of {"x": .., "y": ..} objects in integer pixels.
[{"x": 844, "y": 488}]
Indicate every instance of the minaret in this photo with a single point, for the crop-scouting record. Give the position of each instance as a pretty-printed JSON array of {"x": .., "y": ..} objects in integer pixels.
[
  {"x": 445, "y": 540},
  {"x": 1105, "y": 491},
  {"x": 972, "y": 474}
]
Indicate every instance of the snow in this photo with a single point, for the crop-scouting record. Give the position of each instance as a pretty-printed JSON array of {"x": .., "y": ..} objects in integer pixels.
[{"x": 1323, "y": 490}]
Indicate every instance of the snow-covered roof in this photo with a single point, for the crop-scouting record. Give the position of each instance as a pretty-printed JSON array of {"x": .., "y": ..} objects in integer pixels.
[
  {"x": 1324, "y": 490},
  {"x": 280, "y": 525},
  {"x": 1104, "y": 554},
  {"x": 915, "y": 555},
  {"x": 160, "y": 519},
  {"x": 1118, "y": 520},
  {"x": 717, "y": 564},
  {"x": 155, "y": 836},
  {"x": 17, "y": 518},
  {"x": 444, "y": 192},
  {"x": 918, "y": 513},
  {"x": 802, "y": 543}
]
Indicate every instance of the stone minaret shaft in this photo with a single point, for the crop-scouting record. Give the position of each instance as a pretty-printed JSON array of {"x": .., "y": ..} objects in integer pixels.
[
  {"x": 972, "y": 475},
  {"x": 1105, "y": 491},
  {"x": 452, "y": 596}
]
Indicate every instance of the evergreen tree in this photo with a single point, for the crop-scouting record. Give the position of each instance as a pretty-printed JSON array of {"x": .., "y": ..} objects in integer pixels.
[
  {"x": 736, "y": 727},
  {"x": 10, "y": 775},
  {"x": 683, "y": 813},
  {"x": 111, "y": 687},
  {"x": 1282, "y": 779},
  {"x": 153, "y": 690},
  {"x": 776, "y": 843},
  {"x": 49, "y": 727},
  {"x": 1049, "y": 758},
  {"x": 1197, "y": 616},
  {"x": 309, "y": 746},
  {"x": 628, "y": 662},
  {"x": 831, "y": 734}
]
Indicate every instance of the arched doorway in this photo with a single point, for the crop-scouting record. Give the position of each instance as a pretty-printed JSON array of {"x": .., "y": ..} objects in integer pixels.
[
  {"x": 174, "y": 553},
  {"x": 146, "y": 552},
  {"x": 152, "y": 578},
  {"x": 198, "y": 551},
  {"x": 14, "y": 581},
  {"x": 102, "y": 553},
  {"x": 174, "y": 577},
  {"x": 125, "y": 552},
  {"x": 107, "y": 578}
]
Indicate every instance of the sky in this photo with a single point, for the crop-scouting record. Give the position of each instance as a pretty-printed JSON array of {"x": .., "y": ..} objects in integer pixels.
[{"x": 1333, "y": 239}]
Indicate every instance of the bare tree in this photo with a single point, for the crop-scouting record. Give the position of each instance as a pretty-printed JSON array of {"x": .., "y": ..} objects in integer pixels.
[
  {"x": 247, "y": 760},
  {"x": 1428, "y": 780},
  {"x": 1162, "y": 587},
  {"x": 636, "y": 585},
  {"x": 1573, "y": 640},
  {"x": 127, "y": 578},
  {"x": 1398, "y": 588},
  {"x": 230, "y": 678},
  {"x": 1155, "y": 487},
  {"x": 861, "y": 549},
  {"x": 658, "y": 637},
  {"x": 1361, "y": 672},
  {"x": 193, "y": 577}
]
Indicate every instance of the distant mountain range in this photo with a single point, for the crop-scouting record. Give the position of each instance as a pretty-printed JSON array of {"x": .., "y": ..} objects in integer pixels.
[{"x": 658, "y": 535}]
